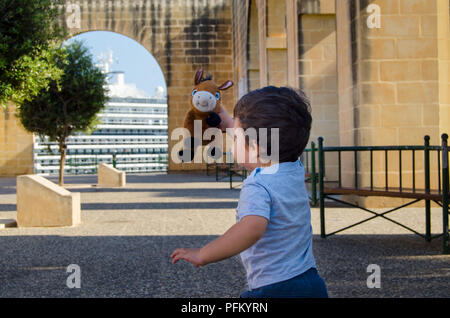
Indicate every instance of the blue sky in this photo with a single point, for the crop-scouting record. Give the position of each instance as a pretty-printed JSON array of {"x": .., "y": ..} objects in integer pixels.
[{"x": 138, "y": 64}]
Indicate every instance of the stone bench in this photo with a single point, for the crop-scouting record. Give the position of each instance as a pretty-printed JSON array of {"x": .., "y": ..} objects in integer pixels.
[
  {"x": 41, "y": 203},
  {"x": 5, "y": 223},
  {"x": 110, "y": 177}
]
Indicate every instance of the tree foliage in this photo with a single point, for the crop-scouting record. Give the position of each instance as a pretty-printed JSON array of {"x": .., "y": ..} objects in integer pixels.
[
  {"x": 70, "y": 104},
  {"x": 29, "y": 31}
]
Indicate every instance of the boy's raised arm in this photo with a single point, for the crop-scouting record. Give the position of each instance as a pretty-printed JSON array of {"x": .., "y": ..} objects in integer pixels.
[
  {"x": 237, "y": 239},
  {"x": 227, "y": 120}
]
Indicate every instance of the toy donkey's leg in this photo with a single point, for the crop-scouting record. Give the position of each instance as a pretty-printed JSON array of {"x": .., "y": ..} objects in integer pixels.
[
  {"x": 213, "y": 121},
  {"x": 213, "y": 152},
  {"x": 189, "y": 149},
  {"x": 190, "y": 144},
  {"x": 215, "y": 149}
]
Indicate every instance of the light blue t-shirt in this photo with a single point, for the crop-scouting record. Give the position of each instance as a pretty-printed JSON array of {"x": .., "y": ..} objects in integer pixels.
[{"x": 277, "y": 193}]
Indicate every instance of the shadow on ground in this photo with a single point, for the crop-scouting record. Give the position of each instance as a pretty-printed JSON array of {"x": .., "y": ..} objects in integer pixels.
[
  {"x": 139, "y": 266},
  {"x": 126, "y": 266},
  {"x": 158, "y": 205},
  {"x": 410, "y": 266},
  {"x": 141, "y": 178}
]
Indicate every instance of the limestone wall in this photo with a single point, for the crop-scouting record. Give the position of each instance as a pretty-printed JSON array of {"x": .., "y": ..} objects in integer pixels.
[
  {"x": 292, "y": 43},
  {"x": 382, "y": 85},
  {"x": 393, "y": 83},
  {"x": 318, "y": 76},
  {"x": 16, "y": 145},
  {"x": 182, "y": 36}
]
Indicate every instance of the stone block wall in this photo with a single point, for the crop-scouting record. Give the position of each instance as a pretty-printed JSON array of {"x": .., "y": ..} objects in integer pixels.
[
  {"x": 182, "y": 36},
  {"x": 16, "y": 145},
  {"x": 318, "y": 78},
  {"x": 393, "y": 83},
  {"x": 291, "y": 43},
  {"x": 240, "y": 47}
]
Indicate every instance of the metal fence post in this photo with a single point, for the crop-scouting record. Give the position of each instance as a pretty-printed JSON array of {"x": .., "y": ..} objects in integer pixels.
[
  {"x": 313, "y": 174},
  {"x": 445, "y": 193},
  {"x": 427, "y": 189},
  {"x": 321, "y": 194}
]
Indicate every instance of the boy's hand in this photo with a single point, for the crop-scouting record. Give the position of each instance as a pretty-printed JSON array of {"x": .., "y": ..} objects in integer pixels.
[
  {"x": 192, "y": 255},
  {"x": 238, "y": 238}
]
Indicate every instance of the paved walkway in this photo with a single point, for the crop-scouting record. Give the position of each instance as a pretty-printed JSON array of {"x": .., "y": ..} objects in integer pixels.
[{"x": 127, "y": 235}]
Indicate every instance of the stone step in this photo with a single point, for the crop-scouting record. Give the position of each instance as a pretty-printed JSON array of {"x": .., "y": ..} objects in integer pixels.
[{"x": 4, "y": 223}]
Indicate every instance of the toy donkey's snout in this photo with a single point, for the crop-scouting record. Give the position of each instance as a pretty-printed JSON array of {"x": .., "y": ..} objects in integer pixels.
[{"x": 204, "y": 101}]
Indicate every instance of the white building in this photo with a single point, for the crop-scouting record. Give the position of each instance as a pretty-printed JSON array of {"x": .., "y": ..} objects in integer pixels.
[{"x": 132, "y": 136}]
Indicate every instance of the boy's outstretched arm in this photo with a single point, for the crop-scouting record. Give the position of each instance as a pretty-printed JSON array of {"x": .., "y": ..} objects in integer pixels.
[
  {"x": 237, "y": 239},
  {"x": 227, "y": 120}
]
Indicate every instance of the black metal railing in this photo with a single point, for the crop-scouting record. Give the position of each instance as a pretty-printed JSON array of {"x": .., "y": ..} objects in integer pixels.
[
  {"x": 230, "y": 169},
  {"x": 387, "y": 150},
  {"x": 440, "y": 192}
]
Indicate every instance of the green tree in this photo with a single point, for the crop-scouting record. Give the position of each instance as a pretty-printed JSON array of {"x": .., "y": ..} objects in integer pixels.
[
  {"x": 70, "y": 104},
  {"x": 29, "y": 31}
]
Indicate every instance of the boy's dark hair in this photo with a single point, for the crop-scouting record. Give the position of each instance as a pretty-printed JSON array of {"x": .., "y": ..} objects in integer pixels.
[{"x": 278, "y": 107}]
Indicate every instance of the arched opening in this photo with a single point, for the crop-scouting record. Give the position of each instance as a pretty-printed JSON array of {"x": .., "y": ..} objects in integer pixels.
[{"x": 133, "y": 130}]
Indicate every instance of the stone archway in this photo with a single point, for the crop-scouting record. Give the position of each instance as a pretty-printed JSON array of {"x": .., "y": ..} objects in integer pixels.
[{"x": 181, "y": 35}]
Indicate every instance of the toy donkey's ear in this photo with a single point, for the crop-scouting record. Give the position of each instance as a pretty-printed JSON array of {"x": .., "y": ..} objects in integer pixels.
[
  {"x": 226, "y": 85},
  {"x": 198, "y": 76}
]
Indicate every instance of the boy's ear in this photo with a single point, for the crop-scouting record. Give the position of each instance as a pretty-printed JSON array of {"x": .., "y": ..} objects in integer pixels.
[
  {"x": 198, "y": 76},
  {"x": 226, "y": 85}
]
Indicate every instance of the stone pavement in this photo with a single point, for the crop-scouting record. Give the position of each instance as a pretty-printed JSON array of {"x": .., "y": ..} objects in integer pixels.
[{"x": 124, "y": 243}]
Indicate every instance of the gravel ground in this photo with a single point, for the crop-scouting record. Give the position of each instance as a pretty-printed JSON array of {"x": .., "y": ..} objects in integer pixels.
[{"x": 124, "y": 243}]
